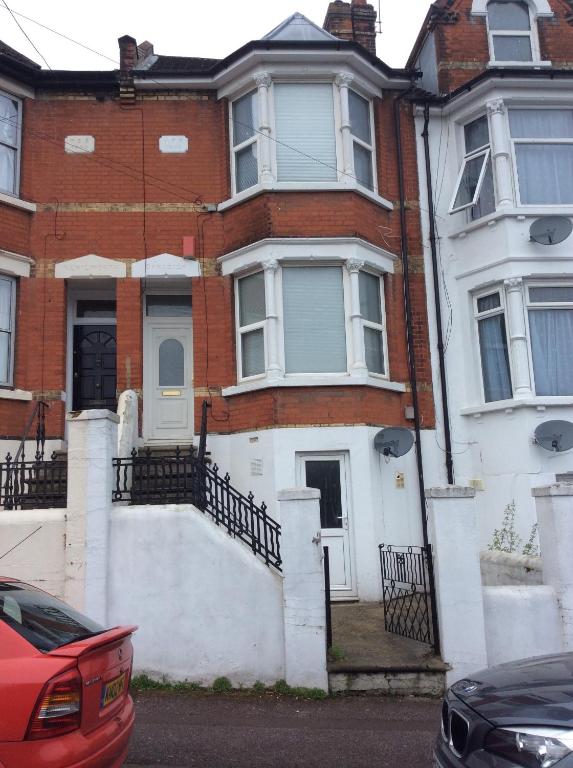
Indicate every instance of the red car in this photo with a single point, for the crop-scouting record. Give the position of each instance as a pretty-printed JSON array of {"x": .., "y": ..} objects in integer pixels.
[{"x": 64, "y": 684}]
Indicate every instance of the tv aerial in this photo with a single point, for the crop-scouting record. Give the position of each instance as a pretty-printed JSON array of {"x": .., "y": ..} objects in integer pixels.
[
  {"x": 555, "y": 436},
  {"x": 550, "y": 230},
  {"x": 393, "y": 441}
]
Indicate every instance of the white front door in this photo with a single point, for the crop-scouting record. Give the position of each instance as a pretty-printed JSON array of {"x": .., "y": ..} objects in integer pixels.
[
  {"x": 168, "y": 375},
  {"x": 328, "y": 473}
]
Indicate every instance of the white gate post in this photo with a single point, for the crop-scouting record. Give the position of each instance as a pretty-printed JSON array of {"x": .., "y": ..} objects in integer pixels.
[
  {"x": 455, "y": 546},
  {"x": 92, "y": 443},
  {"x": 303, "y": 588},
  {"x": 554, "y": 505}
]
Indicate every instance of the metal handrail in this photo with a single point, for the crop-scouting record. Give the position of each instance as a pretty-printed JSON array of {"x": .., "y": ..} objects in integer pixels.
[
  {"x": 203, "y": 434},
  {"x": 40, "y": 411}
]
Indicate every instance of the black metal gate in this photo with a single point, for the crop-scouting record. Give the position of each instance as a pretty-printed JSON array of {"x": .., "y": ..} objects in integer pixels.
[{"x": 406, "y": 592}]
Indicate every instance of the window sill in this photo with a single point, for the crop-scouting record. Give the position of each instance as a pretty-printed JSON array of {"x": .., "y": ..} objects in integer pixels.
[
  {"x": 16, "y": 202},
  {"x": 522, "y": 213},
  {"x": 14, "y": 394},
  {"x": 313, "y": 380},
  {"x": 508, "y": 406},
  {"x": 518, "y": 64},
  {"x": 258, "y": 189}
]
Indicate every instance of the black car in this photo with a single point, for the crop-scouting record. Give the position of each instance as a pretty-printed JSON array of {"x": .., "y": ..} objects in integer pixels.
[{"x": 516, "y": 714}]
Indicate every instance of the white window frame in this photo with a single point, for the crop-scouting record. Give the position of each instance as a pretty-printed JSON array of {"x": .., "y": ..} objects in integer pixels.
[
  {"x": 520, "y": 140},
  {"x": 501, "y": 310},
  {"x": 17, "y": 147},
  {"x": 370, "y": 147},
  {"x": 240, "y": 331},
  {"x": 11, "y": 331},
  {"x": 254, "y": 139},
  {"x": 485, "y": 154},
  {"x": 531, "y": 34},
  {"x": 532, "y": 306},
  {"x": 380, "y": 327}
]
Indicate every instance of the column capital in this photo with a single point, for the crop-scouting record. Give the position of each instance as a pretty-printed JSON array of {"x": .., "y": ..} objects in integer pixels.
[
  {"x": 262, "y": 79},
  {"x": 354, "y": 265},
  {"x": 495, "y": 107},
  {"x": 270, "y": 265},
  {"x": 344, "y": 79},
  {"x": 513, "y": 283}
]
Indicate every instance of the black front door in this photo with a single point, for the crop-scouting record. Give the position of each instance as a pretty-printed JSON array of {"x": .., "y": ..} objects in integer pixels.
[{"x": 94, "y": 367}]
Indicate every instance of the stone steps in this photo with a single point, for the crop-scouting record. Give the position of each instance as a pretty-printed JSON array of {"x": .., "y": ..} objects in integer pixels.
[{"x": 390, "y": 681}]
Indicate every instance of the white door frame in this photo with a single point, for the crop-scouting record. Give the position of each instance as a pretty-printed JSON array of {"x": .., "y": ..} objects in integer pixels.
[
  {"x": 150, "y": 323},
  {"x": 343, "y": 457}
]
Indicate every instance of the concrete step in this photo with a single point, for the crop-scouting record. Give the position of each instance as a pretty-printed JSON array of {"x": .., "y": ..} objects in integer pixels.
[{"x": 392, "y": 681}]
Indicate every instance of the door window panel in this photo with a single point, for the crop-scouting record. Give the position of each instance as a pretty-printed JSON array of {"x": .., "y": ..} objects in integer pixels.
[
  {"x": 171, "y": 363},
  {"x": 325, "y": 475}
]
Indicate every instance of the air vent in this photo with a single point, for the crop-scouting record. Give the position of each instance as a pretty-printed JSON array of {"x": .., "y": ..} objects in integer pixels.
[{"x": 458, "y": 733}]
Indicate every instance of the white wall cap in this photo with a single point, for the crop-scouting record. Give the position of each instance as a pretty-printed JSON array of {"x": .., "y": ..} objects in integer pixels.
[
  {"x": 93, "y": 415},
  {"x": 557, "y": 489},
  {"x": 90, "y": 266},
  {"x": 15, "y": 394},
  {"x": 298, "y": 494},
  {"x": 539, "y": 7},
  {"x": 166, "y": 265},
  {"x": 451, "y": 492},
  {"x": 15, "y": 264}
]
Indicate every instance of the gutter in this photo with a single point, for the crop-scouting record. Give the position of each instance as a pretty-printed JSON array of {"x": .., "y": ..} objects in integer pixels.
[{"x": 412, "y": 364}]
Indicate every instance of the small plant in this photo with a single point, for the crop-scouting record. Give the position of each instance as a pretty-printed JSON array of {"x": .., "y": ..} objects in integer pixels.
[
  {"x": 284, "y": 689},
  {"x": 506, "y": 538},
  {"x": 222, "y": 685},
  {"x": 335, "y": 653},
  {"x": 146, "y": 683},
  {"x": 259, "y": 687}
]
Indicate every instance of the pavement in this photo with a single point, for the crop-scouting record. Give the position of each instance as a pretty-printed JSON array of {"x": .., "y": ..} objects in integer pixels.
[{"x": 239, "y": 730}]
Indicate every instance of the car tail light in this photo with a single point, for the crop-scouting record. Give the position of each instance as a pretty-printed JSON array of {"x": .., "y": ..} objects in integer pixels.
[{"x": 59, "y": 707}]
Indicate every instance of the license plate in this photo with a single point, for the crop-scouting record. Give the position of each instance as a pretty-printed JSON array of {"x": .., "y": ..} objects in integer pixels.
[{"x": 112, "y": 690}]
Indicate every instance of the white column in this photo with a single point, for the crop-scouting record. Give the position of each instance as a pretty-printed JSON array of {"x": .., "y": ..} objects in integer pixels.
[
  {"x": 455, "y": 545},
  {"x": 554, "y": 505},
  {"x": 358, "y": 364},
  {"x": 517, "y": 334},
  {"x": 274, "y": 369},
  {"x": 343, "y": 80},
  {"x": 303, "y": 588},
  {"x": 500, "y": 153},
  {"x": 263, "y": 81},
  {"x": 92, "y": 444}
]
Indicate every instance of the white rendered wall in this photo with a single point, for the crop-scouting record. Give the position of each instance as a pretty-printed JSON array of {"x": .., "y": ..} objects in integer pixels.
[
  {"x": 40, "y": 558},
  {"x": 205, "y": 605},
  {"x": 379, "y": 511}
]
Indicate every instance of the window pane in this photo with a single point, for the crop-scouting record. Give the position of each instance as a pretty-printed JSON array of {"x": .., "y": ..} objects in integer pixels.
[
  {"x": 44, "y": 621},
  {"x": 7, "y": 169},
  {"x": 374, "y": 350},
  {"x": 541, "y": 123},
  {"x": 551, "y": 333},
  {"x": 4, "y": 358},
  {"x": 252, "y": 299},
  {"x": 8, "y": 121},
  {"x": 171, "y": 363},
  {"x": 246, "y": 167},
  {"x": 494, "y": 359},
  {"x": 359, "y": 116},
  {"x": 469, "y": 181},
  {"x": 90, "y": 308},
  {"x": 512, "y": 48},
  {"x": 325, "y": 475},
  {"x": 363, "y": 166},
  {"x": 306, "y": 148},
  {"x": 370, "y": 307},
  {"x": 545, "y": 173},
  {"x": 485, "y": 303},
  {"x": 314, "y": 328},
  {"x": 476, "y": 134},
  {"x": 551, "y": 293},
  {"x": 168, "y": 306},
  {"x": 508, "y": 15},
  {"x": 253, "y": 353},
  {"x": 486, "y": 201},
  {"x": 244, "y": 114},
  {"x": 5, "y": 304}
]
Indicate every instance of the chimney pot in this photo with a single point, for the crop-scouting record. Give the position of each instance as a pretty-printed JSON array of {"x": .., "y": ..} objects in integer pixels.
[{"x": 355, "y": 21}]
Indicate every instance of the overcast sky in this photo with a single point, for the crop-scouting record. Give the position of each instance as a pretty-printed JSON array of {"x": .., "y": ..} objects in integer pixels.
[{"x": 180, "y": 27}]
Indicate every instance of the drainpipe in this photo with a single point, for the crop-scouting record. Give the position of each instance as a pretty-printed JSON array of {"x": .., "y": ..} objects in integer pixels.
[
  {"x": 412, "y": 365},
  {"x": 437, "y": 303}
]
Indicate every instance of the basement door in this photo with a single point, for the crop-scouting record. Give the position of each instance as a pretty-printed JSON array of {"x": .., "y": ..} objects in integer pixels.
[
  {"x": 328, "y": 473},
  {"x": 167, "y": 370}
]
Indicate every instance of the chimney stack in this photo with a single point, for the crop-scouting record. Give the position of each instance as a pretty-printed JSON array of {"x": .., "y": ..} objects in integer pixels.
[
  {"x": 355, "y": 21},
  {"x": 127, "y": 54}
]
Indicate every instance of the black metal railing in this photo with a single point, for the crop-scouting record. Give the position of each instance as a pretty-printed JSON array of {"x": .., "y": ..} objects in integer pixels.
[
  {"x": 327, "y": 607},
  {"x": 33, "y": 484},
  {"x": 183, "y": 479},
  {"x": 405, "y": 583}
]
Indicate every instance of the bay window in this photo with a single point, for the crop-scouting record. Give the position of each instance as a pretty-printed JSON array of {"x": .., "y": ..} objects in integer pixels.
[
  {"x": 244, "y": 135},
  {"x": 550, "y": 312},
  {"x": 10, "y": 114},
  {"x": 494, "y": 355},
  {"x": 251, "y": 325},
  {"x": 371, "y": 309},
  {"x": 361, "y": 130},
  {"x": 543, "y": 149},
  {"x": 7, "y": 320},
  {"x": 474, "y": 188}
]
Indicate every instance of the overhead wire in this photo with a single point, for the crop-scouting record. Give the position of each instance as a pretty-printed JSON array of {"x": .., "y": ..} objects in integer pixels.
[{"x": 23, "y": 31}]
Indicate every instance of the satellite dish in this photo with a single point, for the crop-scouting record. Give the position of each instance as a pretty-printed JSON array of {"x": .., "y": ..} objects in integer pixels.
[
  {"x": 393, "y": 441},
  {"x": 556, "y": 436},
  {"x": 550, "y": 230}
]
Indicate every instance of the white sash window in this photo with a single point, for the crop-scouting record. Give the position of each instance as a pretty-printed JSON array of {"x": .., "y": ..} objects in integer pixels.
[
  {"x": 7, "y": 320},
  {"x": 10, "y": 118}
]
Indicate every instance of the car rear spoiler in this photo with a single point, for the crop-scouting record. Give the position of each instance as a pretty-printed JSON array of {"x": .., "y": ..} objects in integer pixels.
[{"x": 88, "y": 644}]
